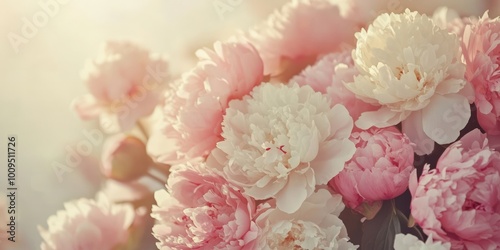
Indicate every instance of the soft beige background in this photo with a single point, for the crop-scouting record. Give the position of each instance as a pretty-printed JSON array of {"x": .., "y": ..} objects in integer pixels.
[{"x": 40, "y": 80}]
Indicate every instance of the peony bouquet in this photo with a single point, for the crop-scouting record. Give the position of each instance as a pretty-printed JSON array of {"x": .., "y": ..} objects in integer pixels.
[{"x": 326, "y": 126}]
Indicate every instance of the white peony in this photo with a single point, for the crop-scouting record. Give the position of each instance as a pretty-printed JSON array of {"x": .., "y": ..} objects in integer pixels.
[
  {"x": 314, "y": 226},
  {"x": 412, "y": 69},
  {"x": 410, "y": 242},
  {"x": 282, "y": 141}
]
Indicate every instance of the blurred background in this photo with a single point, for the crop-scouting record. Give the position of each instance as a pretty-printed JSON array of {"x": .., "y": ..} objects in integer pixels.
[{"x": 41, "y": 59}]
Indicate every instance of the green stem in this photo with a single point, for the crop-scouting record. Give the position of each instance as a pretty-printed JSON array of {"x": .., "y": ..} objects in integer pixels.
[{"x": 405, "y": 219}]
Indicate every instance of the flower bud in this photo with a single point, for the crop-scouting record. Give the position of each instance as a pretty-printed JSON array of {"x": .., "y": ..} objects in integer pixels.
[{"x": 124, "y": 158}]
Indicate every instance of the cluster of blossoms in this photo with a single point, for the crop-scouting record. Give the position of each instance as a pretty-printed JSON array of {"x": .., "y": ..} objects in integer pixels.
[{"x": 277, "y": 135}]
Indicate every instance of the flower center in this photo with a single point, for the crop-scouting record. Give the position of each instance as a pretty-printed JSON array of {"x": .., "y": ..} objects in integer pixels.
[
  {"x": 275, "y": 153},
  {"x": 473, "y": 205}
]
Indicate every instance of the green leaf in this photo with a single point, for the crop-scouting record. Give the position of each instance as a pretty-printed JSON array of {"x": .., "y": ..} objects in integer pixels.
[{"x": 379, "y": 232}]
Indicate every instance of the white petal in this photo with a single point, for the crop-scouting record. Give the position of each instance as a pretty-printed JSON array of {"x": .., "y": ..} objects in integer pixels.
[
  {"x": 342, "y": 127},
  {"x": 331, "y": 159},
  {"x": 380, "y": 118},
  {"x": 450, "y": 86},
  {"x": 309, "y": 146},
  {"x": 291, "y": 197},
  {"x": 445, "y": 116},
  {"x": 413, "y": 128}
]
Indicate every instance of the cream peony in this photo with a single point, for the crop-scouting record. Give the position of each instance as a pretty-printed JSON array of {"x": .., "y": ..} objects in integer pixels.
[
  {"x": 315, "y": 225},
  {"x": 282, "y": 141},
  {"x": 412, "y": 69},
  {"x": 410, "y": 242}
]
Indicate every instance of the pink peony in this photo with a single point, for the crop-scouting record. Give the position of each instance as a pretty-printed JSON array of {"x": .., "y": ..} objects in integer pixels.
[
  {"x": 315, "y": 225},
  {"x": 379, "y": 170},
  {"x": 202, "y": 211},
  {"x": 481, "y": 47},
  {"x": 88, "y": 224},
  {"x": 328, "y": 76},
  {"x": 281, "y": 141},
  {"x": 125, "y": 84},
  {"x": 459, "y": 201},
  {"x": 193, "y": 111},
  {"x": 301, "y": 30}
]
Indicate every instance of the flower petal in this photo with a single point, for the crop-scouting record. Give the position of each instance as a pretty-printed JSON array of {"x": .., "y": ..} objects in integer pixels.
[
  {"x": 291, "y": 197},
  {"x": 445, "y": 116},
  {"x": 413, "y": 128}
]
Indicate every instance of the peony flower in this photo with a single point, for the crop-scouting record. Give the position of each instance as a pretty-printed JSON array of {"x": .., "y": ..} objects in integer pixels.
[
  {"x": 410, "y": 242},
  {"x": 328, "y": 76},
  {"x": 459, "y": 201},
  {"x": 315, "y": 225},
  {"x": 282, "y": 141},
  {"x": 462, "y": 7},
  {"x": 379, "y": 170},
  {"x": 299, "y": 31},
  {"x": 124, "y": 158},
  {"x": 193, "y": 111},
  {"x": 88, "y": 224},
  {"x": 450, "y": 20},
  {"x": 412, "y": 69},
  {"x": 125, "y": 83},
  {"x": 481, "y": 48},
  {"x": 201, "y": 210}
]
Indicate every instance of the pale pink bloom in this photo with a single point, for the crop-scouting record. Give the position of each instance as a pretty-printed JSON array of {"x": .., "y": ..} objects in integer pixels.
[
  {"x": 281, "y": 141},
  {"x": 124, "y": 158},
  {"x": 329, "y": 75},
  {"x": 411, "y": 242},
  {"x": 299, "y": 31},
  {"x": 462, "y": 7},
  {"x": 481, "y": 47},
  {"x": 315, "y": 225},
  {"x": 450, "y": 20},
  {"x": 125, "y": 84},
  {"x": 379, "y": 170},
  {"x": 459, "y": 201},
  {"x": 193, "y": 110},
  {"x": 364, "y": 12},
  {"x": 418, "y": 81},
  {"x": 88, "y": 224},
  {"x": 201, "y": 210}
]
